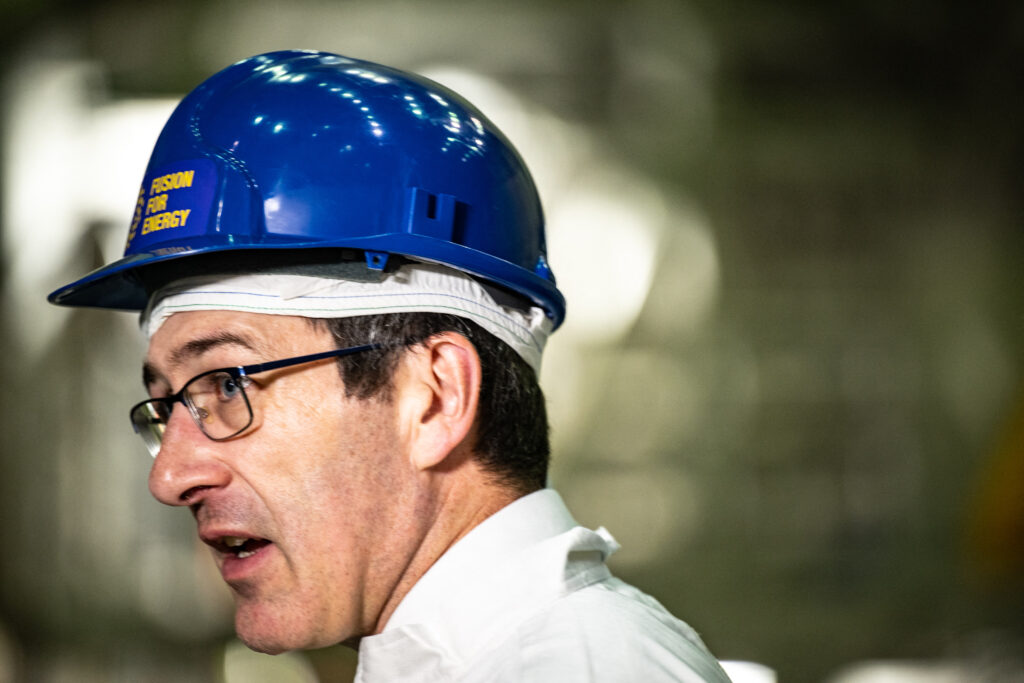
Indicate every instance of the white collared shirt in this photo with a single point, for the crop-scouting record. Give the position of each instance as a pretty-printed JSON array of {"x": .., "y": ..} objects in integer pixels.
[{"x": 526, "y": 597}]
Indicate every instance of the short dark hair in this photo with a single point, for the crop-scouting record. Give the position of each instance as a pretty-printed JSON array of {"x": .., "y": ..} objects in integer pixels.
[{"x": 512, "y": 425}]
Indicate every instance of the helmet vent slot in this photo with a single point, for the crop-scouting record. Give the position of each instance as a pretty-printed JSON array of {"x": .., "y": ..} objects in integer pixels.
[{"x": 430, "y": 215}]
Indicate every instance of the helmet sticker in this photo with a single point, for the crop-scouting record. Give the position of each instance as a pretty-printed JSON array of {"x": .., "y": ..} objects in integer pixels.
[{"x": 174, "y": 202}]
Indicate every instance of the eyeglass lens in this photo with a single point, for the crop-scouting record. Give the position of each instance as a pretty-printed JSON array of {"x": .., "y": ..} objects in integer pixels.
[
  {"x": 150, "y": 420},
  {"x": 219, "y": 404},
  {"x": 216, "y": 400}
]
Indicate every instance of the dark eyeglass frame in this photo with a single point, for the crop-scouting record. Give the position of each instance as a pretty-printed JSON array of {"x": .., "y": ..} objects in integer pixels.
[{"x": 153, "y": 439}]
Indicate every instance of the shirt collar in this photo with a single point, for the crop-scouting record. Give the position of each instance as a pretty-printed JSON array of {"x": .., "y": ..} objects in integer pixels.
[
  {"x": 526, "y": 555},
  {"x": 519, "y": 525}
]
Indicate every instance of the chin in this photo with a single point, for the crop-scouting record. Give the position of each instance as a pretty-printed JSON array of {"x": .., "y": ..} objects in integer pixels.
[
  {"x": 274, "y": 634},
  {"x": 264, "y": 647},
  {"x": 266, "y": 640},
  {"x": 270, "y": 634}
]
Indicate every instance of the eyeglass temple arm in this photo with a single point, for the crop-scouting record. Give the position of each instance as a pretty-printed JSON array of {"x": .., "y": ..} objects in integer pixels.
[{"x": 336, "y": 353}]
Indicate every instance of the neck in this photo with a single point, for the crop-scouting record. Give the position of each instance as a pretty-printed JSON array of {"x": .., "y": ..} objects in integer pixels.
[{"x": 456, "y": 508}]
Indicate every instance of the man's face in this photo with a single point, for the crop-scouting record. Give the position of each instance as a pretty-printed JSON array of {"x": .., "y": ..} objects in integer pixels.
[{"x": 320, "y": 488}]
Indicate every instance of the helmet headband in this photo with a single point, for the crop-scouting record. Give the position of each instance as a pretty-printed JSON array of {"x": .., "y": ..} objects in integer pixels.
[{"x": 414, "y": 287}]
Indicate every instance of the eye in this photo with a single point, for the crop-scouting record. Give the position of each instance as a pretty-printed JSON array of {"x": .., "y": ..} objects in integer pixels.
[{"x": 228, "y": 387}]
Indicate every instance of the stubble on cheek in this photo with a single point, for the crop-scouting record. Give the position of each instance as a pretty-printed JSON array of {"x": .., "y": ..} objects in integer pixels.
[
  {"x": 386, "y": 514},
  {"x": 337, "y": 525},
  {"x": 289, "y": 611},
  {"x": 343, "y": 498}
]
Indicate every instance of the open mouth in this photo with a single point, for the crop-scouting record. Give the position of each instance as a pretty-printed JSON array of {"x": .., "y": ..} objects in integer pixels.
[{"x": 240, "y": 546}]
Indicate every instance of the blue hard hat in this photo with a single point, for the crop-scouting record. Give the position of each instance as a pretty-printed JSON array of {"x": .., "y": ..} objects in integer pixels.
[{"x": 311, "y": 157}]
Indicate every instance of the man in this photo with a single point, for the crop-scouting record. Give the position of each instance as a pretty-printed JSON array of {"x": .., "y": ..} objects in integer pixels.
[{"x": 342, "y": 276}]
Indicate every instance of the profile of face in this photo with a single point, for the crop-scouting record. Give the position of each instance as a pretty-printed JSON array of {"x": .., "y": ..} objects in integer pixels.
[{"x": 315, "y": 511}]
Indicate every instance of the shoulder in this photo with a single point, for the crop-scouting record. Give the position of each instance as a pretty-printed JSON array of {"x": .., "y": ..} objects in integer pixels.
[{"x": 608, "y": 631}]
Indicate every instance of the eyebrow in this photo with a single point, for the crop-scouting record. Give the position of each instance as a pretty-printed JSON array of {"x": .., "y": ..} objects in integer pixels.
[{"x": 192, "y": 349}]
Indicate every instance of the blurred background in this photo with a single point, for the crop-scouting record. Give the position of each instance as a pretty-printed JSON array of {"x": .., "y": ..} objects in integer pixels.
[{"x": 791, "y": 381}]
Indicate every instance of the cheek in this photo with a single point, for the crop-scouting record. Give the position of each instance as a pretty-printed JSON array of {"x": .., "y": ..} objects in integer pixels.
[
  {"x": 359, "y": 488},
  {"x": 323, "y": 458},
  {"x": 330, "y": 450},
  {"x": 300, "y": 413}
]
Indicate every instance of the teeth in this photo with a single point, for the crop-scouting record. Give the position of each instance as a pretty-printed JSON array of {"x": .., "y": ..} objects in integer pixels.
[
  {"x": 246, "y": 553},
  {"x": 234, "y": 541}
]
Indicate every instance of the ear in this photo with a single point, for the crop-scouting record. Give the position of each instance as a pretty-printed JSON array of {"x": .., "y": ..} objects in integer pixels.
[{"x": 438, "y": 391}]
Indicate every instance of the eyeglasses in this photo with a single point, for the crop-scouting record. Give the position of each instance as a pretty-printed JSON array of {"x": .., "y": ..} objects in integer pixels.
[{"x": 216, "y": 399}]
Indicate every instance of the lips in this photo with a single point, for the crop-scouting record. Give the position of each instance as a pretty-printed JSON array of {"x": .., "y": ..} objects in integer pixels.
[
  {"x": 239, "y": 546},
  {"x": 239, "y": 554}
]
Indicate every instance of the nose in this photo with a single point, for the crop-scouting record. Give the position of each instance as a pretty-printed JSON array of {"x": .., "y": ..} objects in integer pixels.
[{"x": 186, "y": 468}]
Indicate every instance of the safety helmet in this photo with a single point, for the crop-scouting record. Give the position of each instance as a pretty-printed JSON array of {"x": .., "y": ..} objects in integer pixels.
[{"x": 310, "y": 157}]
